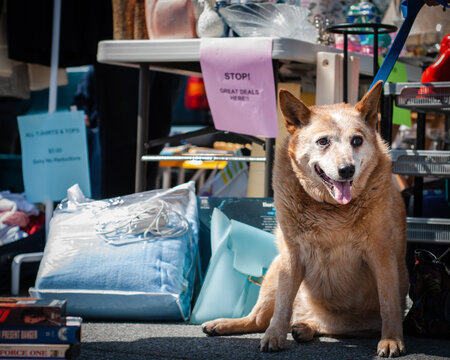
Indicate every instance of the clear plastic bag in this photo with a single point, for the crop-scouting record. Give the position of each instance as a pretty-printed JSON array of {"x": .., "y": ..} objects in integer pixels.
[
  {"x": 268, "y": 19},
  {"x": 135, "y": 254}
]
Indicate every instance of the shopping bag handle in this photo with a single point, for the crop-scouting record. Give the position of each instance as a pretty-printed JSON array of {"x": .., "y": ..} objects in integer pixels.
[{"x": 410, "y": 9}]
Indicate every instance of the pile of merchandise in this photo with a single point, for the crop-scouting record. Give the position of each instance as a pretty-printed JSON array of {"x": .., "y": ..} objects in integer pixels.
[{"x": 18, "y": 217}]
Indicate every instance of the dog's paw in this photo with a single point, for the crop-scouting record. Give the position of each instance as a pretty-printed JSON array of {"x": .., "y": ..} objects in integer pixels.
[
  {"x": 213, "y": 328},
  {"x": 391, "y": 348},
  {"x": 302, "y": 332},
  {"x": 273, "y": 340},
  {"x": 223, "y": 327}
]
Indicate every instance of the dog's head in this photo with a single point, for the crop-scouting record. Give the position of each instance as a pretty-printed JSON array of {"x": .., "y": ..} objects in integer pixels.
[{"x": 332, "y": 147}]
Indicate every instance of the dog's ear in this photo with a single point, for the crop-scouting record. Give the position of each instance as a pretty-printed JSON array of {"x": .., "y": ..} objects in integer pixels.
[
  {"x": 368, "y": 106},
  {"x": 295, "y": 112}
]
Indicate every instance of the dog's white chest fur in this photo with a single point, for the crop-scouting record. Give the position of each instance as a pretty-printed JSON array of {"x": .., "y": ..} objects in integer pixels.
[{"x": 335, "y": 273}]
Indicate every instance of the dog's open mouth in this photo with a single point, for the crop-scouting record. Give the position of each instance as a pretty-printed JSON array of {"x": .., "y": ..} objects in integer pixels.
[{"x": 340, "y": 190}]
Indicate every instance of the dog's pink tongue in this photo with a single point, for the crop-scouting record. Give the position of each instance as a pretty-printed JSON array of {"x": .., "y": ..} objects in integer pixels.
[{"x": 342, "y": 191}]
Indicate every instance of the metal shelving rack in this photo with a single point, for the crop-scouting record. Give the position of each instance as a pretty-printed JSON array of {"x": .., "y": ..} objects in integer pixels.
[
  {"x": 428, "y": 230},
  {"x": 430, "y": 163},
  {"x": 422, "y": 98}
]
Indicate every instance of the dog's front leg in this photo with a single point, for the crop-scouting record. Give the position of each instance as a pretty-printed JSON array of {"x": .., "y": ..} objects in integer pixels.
[
  {"x": 385, "y": 269},
  {"x": 289, "y": 278}
]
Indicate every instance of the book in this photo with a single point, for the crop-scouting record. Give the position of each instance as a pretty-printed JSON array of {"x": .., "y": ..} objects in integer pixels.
[
  {"x": 39, "y": 351},
  {"x": 70, "y": 333},
  {"x": 32, "y": 312},
  {"x": 34, "y": 351}
]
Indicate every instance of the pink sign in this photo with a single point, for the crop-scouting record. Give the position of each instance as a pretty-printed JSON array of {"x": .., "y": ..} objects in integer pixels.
[{"x": 239, "y": 82}]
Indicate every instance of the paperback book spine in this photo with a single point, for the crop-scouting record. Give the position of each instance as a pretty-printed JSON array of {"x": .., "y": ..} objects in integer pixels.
[
  {"x": 31, "y": 312},
  {"x": 36, "y": 351},
  {"x": 69, "y": 334}
]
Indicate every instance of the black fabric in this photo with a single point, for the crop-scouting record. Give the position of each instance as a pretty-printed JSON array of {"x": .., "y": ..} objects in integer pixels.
[
  {"x": 117, "y": 103},
  {"x": 10, "y": 108},
  {"x": 164, "y": 89},
  {"x": 83, "y": 24},
  {"x": 85, "y": 97},
  {"x": 430, "y": 293}
]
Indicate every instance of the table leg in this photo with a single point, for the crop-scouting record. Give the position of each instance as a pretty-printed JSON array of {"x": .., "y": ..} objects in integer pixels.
[
  {"x": 270, "y": 142},
  {"x": 386, "y": 118},
  {"x": 142, "y": 127},
  {"x": 166, "y": 177},
  {"x": 181, "y": 175},
  {"x": 418, "y": 181},
  {"x": 345, "y": 65},
  {"x": 270, "y": 155}
]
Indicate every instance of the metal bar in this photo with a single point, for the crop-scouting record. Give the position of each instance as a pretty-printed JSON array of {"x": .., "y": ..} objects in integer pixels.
[
  {"x": 345, "y": 80},
  {"x": 142, "y": 127},
  {"x": 15, "y": 268},
  {"x": 270, "y": 155},
  {"x": 202, "y": 158},
  {"x": 53, "y": 90},
  {"x": 418, "y": 193},
  {"x": 420, "y": 145},
  {"x": 270, "y": 142},
  {"x": 375, "y": 70},
  {"x": 386, "y": 118},
  {"x": 446, "y": 129},
  {"x": 375, "y": 52},
  {"x": 428, "y": 241},
  {"x": 54, "y": 61},
  {"x": 418, "y": 181}
]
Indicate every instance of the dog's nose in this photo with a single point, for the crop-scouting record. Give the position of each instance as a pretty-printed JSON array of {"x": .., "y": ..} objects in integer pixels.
[{"x": 346, "y": 171}]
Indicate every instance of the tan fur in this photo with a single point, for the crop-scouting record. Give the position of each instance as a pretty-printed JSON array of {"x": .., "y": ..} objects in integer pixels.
[{"x": 341, "y": 268}]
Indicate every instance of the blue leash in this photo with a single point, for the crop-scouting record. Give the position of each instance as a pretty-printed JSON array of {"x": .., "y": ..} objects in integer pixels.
[{"x": 410, "y": 9}]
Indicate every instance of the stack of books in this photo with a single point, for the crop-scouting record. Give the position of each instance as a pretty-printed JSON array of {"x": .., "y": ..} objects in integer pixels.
[{"x": 38, "y": 329}]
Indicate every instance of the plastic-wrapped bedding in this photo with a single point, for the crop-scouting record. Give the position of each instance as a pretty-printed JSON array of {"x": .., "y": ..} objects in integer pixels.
[{"x": 130, "y": 257}]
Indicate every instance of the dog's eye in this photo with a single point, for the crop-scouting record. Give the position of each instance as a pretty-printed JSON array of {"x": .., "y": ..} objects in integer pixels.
[
  {"x": 323, "y": 142},
  {"x": 357, "y": 141}
]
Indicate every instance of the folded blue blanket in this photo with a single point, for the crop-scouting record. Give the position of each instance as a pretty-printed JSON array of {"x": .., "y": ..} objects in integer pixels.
[{"x": 131, "y": 257}]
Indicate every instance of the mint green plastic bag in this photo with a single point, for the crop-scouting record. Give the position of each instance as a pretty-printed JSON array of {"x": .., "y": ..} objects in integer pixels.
[{"x": 241, "y": 255}]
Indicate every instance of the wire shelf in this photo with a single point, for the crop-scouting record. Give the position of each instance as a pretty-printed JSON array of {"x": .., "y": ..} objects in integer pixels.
[
  {"x": 426, "y": 97},
  {"x": 428, "y": 230},
  {"x": 430, "y": 163}
]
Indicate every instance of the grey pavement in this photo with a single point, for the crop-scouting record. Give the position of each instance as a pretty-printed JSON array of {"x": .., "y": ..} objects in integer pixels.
[
  {"x": 180, "y": 341},
  {"x": 139, "y": 341}
]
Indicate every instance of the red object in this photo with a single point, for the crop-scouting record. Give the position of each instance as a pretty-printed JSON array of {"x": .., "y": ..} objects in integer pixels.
[
  {"x": 440, "y": 69},
  {"x": 35, "y": 224},
  {"x": 445, "y": 43},
  {"x": 195, "y": 94}
]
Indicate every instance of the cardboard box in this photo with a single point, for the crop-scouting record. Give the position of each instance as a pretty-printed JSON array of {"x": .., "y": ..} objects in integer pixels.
[{"x": 257, "y": 212}]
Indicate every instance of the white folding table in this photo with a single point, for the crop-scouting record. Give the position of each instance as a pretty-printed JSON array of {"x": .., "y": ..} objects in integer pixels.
[{"x": 182, "y": 56}]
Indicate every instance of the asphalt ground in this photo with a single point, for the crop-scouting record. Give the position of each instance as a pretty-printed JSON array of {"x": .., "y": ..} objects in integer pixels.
[
  {"x": 139, "y": 341},
  {"x": 108, "y": 340}
]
